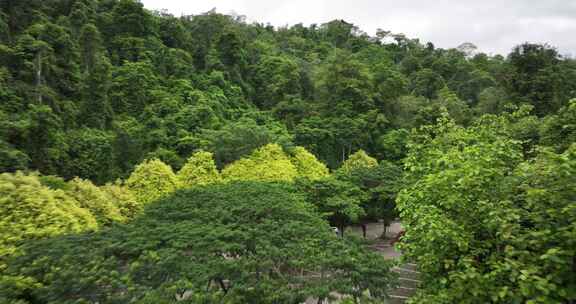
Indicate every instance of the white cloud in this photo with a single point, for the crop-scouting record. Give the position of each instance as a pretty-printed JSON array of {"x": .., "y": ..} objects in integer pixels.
[{"x": 495, "y": 26}]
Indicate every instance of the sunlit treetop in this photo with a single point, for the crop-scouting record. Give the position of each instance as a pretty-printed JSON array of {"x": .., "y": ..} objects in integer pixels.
[
  {"x": 268, "y": 163},
  {"x": 359, "y": 159},
  {"x": 30, "y": 210},
  {"x": 308, "y": 165},
  {"x": 199, "y": 169},
  {"x": 92, "y": 198},
  {"x": 151, "y": 180}
]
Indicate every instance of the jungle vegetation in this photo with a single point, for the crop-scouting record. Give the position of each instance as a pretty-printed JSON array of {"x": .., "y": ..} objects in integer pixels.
[{"x": 148, "y": 158}]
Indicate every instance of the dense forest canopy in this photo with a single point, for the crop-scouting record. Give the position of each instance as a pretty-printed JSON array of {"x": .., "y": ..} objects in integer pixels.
[
  {"x": 150, "y": 158},
  {"x": 92, "y": 88}
]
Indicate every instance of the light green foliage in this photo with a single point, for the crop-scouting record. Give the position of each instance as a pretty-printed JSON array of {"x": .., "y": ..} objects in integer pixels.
[
  {"x": 483, "y": 225},
  {"x": 92, "y": 198},
  {"x": 151, "y": 180},
  {"x": 268, "y": 163},
  {"x": 240, "y": 242},
  {"x": 458, "y": 109},
  {"x": 199, "y": 170},
  {"x": 541, "y": 254},
  {"x": 359, "y": 159},
  {"x": 123, "y": 199},
  {"x": 29, "y": 210},
  {"x": 307, "y": 165}
]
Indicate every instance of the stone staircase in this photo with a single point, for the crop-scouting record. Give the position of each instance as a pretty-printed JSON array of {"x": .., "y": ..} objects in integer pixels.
[
  {"x": 409, "y": 279},
  {"x": 409, "y": 276}
]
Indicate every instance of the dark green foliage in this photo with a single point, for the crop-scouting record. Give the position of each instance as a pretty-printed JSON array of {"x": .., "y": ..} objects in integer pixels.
[
  {"x": 540, "y": 76},
  {"x": 91, "y": 153},
  {"x": 231, "y": 243},
  {"x": 239, "y": 138},
  {"x": 337, "y": 200},
  {"x": 427, "y": 83},
  {"x": 12, "y": 159},
  {"x": 559, "y": 131},
  {"x": 381, "y": 183},
  {"x": 166, "y": 86}
]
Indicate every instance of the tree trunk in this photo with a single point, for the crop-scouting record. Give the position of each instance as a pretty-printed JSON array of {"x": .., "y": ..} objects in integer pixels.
[
  {"x": 39, "y": 76},
  {"x": 223, "y": 286},
  {"x": 385, "y": 229}
]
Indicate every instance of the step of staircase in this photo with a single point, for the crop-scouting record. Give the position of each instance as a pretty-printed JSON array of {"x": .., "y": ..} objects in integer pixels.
[
  {"x": 409, "y": 283},
  {"x": 396, "y": 300},
  {"x": 407, "y": 273},
  {"x": 410, "y": 266},
  {"x": 403, "y": 291}
]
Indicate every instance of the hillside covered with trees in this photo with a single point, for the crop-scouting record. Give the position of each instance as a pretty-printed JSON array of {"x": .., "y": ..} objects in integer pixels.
[{"x": 148, "y": 158}]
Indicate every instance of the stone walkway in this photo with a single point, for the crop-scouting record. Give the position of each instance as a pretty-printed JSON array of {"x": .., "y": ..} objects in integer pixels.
[{"x": 409, "y": 277}]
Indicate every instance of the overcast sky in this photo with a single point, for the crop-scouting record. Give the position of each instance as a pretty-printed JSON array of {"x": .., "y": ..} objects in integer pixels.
[{"x": 495, "y": 26}]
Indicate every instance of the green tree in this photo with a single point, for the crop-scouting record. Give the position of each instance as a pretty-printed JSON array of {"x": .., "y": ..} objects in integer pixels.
[
  {"x": 390, "y": 85},
  {"x": 275, "y": 79},
  {"x": 380, "y": 185},
  {"x": 199, "y": 170},
  {"x": 131, "y": 87},
  {"x": 491, "y": 101},
  {"x": 358, "y": 160},
  {"x": 152, "y": 180},
  {"x": 31, "y": 210},
  {"x": 238, "y": 138},
  {"x": 392, "y": 145},
  {"x": 222, "y": 243},
  {"x": 538, "y": 75},
  {"x": 344, "y": 85},
  {"x": 128, "y": 146},
  {"x": 123, "y": 199},
  {"x": 337, "y": 200},
  {"x": 12, "y": 159},
  {"x": 96, "y": 79},
  {"x": 91, "y": 153},
  {"x": 92, "y": 198},
  {"x": 268, "y": 163},
  {"x": 45, "y": 142},
  {"x": 477, "y": 217},
  {"x": 559, "y": 130},
  {"x": 307, "y": 165},
  {"x": 427, "y": 83},
  {"x": 129, "y": 18}
]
